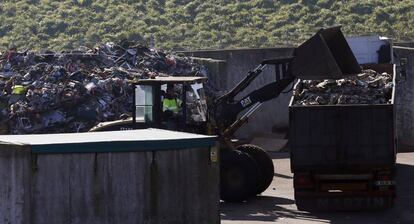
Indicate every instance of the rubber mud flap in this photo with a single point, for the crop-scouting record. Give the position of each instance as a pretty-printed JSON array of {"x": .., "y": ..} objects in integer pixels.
[
  {"x": 238, "y": 176},
  {"x": 265, "y": 164}
]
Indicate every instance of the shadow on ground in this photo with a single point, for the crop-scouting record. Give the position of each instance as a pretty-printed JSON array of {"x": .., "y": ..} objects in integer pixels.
[
  {"x": 261, "y": 208},
  {"x": 283, "y": 176}
]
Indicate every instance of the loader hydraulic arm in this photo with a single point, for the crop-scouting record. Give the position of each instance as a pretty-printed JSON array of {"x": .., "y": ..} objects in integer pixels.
[
  {"x": 255, "y": 98},
  {"x": 227, "y": 108}
]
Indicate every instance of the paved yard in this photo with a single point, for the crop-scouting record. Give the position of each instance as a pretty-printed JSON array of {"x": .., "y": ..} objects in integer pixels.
[{"x": 277, "y": 203}]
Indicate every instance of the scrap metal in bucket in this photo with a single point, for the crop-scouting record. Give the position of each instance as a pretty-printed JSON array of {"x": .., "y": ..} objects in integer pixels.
[{"x": 369, "y": 87}]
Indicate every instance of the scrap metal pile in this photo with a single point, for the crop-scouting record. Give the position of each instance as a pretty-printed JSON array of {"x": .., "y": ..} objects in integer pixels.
[
  {"x": 73, "y": 91},
  {"x": 369, "y": 87}
]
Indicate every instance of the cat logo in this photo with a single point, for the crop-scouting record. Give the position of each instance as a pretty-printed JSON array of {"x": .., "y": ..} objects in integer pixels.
[{"x": 246, "y": 102}]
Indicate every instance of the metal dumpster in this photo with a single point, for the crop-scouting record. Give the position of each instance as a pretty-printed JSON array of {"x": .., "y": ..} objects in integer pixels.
[{"x": 337, "y": 137}]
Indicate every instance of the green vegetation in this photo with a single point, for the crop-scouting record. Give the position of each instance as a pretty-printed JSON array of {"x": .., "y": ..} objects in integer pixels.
[{"x": 195, "y": 24}]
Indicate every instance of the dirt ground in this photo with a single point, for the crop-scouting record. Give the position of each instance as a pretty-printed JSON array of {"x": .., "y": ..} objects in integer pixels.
[{"x": 277, "y": 205}]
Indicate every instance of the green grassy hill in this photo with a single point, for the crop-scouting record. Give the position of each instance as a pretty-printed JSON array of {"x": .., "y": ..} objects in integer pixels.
[{"x": 195, "y": 24}]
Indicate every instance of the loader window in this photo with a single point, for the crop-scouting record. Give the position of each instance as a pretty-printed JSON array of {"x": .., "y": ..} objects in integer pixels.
[
  {"x": 196, "y": 104},
  {"x": 143, "y": 103}
]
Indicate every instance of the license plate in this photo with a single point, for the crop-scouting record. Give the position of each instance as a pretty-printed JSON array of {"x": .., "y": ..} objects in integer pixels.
[{"x": 384, "y": 183}]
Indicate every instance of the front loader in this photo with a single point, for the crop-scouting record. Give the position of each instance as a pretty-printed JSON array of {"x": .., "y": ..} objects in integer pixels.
[{"x": 246, "y": 170}]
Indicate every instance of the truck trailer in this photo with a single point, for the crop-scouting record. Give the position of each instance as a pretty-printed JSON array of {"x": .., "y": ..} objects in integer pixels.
[{"x": 343, "y": 157}]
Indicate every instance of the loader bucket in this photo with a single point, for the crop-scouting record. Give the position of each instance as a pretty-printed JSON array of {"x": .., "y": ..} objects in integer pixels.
[{"x": 326, "y": 55}]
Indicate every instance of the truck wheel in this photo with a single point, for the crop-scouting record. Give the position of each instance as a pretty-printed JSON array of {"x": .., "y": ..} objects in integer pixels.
[
  {"x": 301, "y": 204},
  {"x": 265, "y": 163},
  {"x": 238, "y": 176},
  {"x": 390, "y": 202}
]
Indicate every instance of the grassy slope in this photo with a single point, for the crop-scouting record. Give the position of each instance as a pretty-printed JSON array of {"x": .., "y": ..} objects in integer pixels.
[{"x": 196, "y": 24}]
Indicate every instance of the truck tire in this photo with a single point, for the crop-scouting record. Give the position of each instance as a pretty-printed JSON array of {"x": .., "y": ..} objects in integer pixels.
[
  {"x": 238, "y": 176},
  {"x": 265, "y": 163},
  {"x": 301, "y": 204},
  {"x": 391, "y": 202}
]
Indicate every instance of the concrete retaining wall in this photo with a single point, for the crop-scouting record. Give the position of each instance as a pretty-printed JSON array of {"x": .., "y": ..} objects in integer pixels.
[
  {"x": 234, "y": 66},
  {"x": 175, "y": 186}
]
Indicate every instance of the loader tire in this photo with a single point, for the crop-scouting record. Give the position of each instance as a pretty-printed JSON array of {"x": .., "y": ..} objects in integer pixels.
[
  {"x": 265, "y": 164},
  {"x": 238, "y": 176}
]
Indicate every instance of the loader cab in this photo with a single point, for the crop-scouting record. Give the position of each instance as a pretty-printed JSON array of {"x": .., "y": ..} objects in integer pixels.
[
  {"x": 173, "y": 103},
  {"x": 152, "y": 98}
]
